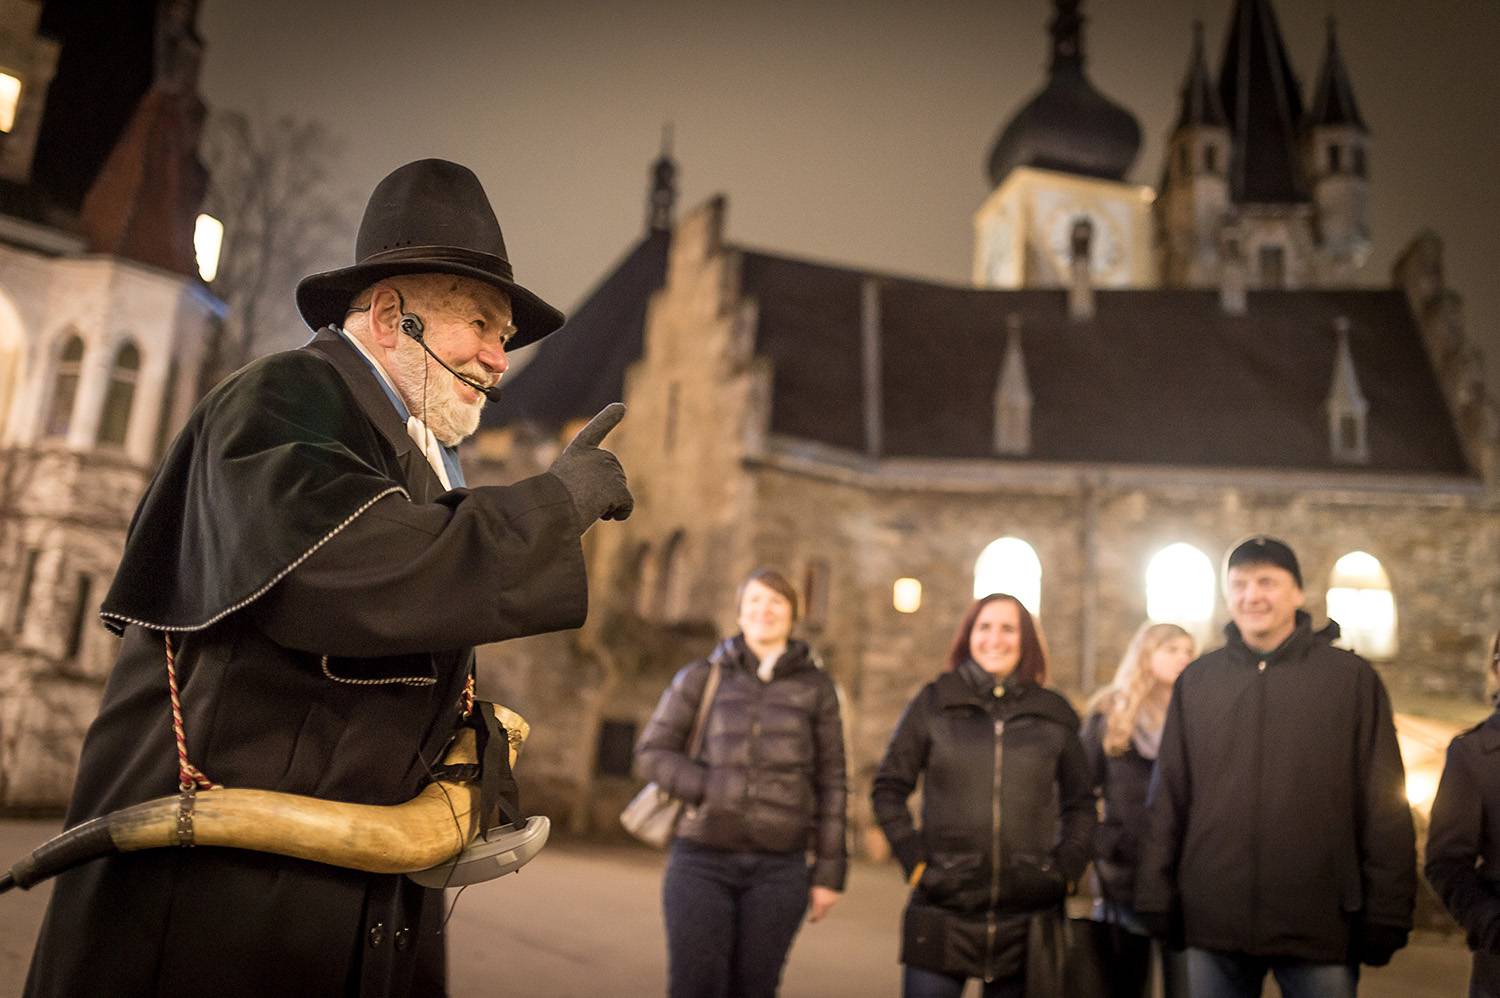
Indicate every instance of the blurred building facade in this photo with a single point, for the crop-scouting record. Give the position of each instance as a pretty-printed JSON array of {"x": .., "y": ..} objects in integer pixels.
[
  {"x": 103, "y": 319},
  {"x": 1136, "y": 379}
]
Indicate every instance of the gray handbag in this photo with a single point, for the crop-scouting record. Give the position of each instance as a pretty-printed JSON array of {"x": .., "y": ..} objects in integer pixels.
[{"x": 652, "y": 814}]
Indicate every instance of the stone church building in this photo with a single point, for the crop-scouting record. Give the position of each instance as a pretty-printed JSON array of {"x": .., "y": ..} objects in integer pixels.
[
  {"x": 1136, "y": 379},
  {"x": 103, "y": 320}
]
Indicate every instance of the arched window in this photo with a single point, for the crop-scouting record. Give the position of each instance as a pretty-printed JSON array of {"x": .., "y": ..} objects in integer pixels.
[
  {"x": 670, "y": 599},
  {"x": 1180, "y": 589},
  {"x": 64, "y": 387},
  {"x": 1359, "y": 598},
  {"x": 115, "y": 421},
  {"x": 1010, "y": 565}
]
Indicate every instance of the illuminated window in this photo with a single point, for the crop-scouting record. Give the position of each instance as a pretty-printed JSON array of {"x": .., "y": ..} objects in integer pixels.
[
  {"x": 120, "y": 395},
  {"x": 64, "y": 388},
  {"x": 906, "y": 595},
  {"x": 1359, "y": 598},
  {"x": 1010, "y": 565},
  {"x": 208, "y": 240},
  {"x": 1180, "y": 589},
  {"x": 10, "y": 99}
]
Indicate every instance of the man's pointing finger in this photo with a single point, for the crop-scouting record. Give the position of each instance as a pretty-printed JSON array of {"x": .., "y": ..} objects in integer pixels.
[{"x": 598, "y": 428}]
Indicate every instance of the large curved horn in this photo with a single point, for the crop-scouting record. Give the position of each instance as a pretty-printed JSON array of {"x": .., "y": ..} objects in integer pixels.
[{"x": 427, "y": 830}]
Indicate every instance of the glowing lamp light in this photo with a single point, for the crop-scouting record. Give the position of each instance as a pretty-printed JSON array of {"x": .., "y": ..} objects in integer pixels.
[
  {"x": 10, "y": 99},
  {"x": 208, "y": 239},
  {"x": 906, "y": 595},
  {"x": 1421, "y": 788},
  {"x": 1010, "y": 565},
  {"x": 1360, "y": 599}
]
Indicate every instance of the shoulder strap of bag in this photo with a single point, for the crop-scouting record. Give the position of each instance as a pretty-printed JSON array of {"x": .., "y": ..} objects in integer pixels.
[{"x": 695, "y": 740}]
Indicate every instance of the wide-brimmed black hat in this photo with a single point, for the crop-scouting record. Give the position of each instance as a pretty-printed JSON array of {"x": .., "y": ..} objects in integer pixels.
[{"x": 427, "y": 217}]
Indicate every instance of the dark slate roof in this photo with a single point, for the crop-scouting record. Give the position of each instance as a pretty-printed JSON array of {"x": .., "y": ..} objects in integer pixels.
[
  {"x": 1069, "y": 125},
  {"x": 1333, "y": 101},
  {"x": 1263, "y": 100},
  {"x": 1200, "y": 101},
  {"x": 1157, "y": 377},
  {"x": 581, "y": 368}
]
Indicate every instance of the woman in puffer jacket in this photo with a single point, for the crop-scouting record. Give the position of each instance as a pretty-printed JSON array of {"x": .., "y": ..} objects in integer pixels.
[
  {"x": 1120, "y": 739},
  {"x": 1463, "y": 841},
  {"x": 769, "y": 789},
  {"x": 1007, "y": 812}
]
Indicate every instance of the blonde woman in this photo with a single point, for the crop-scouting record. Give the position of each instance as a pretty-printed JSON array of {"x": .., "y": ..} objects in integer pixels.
[{"x": 1120, "y": 738}]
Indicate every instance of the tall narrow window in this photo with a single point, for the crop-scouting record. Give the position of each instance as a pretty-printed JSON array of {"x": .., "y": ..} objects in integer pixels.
[
  {"x": 670, "y": 599},
  {"x": 1335, "y": 158},
  {"x": 10, "y": 99},
  {"x": 1010, "y": 565},
  {"x": 23, "y": 592},
  {"x": 80, "y": 615},
  {"x": 1184, "y": 159},
  {"x": 64, "y": 387},
  {"x": 1360, "y": 600},
  {"x": 1272, "y": 267},
  {"x": 120, "y": 395},
  {"x": 669, "y": 432},
  {"x": 1180, "y": 589},
  {"x": 1359, "y": 161},
  {"x": 1211, "y": 158},
  {"x": 815, "y": 593}
]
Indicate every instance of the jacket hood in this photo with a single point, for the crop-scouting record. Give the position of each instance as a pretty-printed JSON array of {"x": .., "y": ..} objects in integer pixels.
[
  {"x": 1302, "y": 637},
  {"x": 734, "y": 653}
]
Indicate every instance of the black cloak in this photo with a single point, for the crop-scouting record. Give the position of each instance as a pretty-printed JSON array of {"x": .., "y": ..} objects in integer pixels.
[{"x": 324, "y": 595}]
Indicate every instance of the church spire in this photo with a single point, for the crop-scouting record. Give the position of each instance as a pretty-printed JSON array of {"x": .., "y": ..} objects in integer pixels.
[
  {"x": 1200, "y": 102},
  {"x": 1333, "y": 101},
  {"x": 1066, "y": 29},
  {"x": 1263, "y": 101},
  {"x": 663, "y": 196}
]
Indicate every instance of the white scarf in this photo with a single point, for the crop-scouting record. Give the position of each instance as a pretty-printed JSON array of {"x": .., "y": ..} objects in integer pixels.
[{"x": 420, "y": 433}]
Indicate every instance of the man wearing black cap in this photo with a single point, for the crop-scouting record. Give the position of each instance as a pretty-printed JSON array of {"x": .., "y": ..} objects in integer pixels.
[
  {"x": 1280, "y": 839},
  {"x": 299, "y": 595}
]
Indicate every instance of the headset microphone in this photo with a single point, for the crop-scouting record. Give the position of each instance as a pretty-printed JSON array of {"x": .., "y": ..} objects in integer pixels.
[{"x": 412, "y": 326}]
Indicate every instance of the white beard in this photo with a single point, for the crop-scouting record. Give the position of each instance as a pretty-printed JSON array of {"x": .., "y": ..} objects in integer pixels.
[{"x": 437, "y": 403}]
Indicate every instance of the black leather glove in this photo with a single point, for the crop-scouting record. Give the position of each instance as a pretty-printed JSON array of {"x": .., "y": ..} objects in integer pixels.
[
  {"x": 1378, "y": 943},
  {"x": 593, "y": 476}
]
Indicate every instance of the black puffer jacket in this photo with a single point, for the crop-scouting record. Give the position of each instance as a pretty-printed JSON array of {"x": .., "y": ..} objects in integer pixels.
[
  {"x": 1007, "y": 815},
  {"x": 1463, "y": 846},
  {"x": 771, "y": 777},
  {"x": 1122, "y": 781},
  {"x": 1279, "y": 825}
]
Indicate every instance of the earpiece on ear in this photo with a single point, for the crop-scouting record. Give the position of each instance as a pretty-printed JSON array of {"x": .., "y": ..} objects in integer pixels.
[{"x": 411, "y": 325}]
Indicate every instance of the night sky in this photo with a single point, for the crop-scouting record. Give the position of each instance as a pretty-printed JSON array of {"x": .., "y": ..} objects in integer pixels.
[{"x": 851, "y": 132}]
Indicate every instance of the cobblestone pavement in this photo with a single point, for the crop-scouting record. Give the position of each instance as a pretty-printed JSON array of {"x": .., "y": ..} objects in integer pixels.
[{"x": 581, "y": 921}]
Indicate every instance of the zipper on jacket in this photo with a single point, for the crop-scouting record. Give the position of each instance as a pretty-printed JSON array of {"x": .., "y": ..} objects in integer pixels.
[
  {"x": 989, "y": 945},
  {"x": 1260, "y": 766}
]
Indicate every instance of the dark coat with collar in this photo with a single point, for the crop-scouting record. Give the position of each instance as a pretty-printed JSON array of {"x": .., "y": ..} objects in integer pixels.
[
  {"x": 771, "y": 774},
  {"x": 1123, "y": 782},
  {"x": 338, "y": 673},
  {"x": 1279, "y": 824},
  {"x": 1007, "y": 817},
  {"x": 1463, "y": 846}
]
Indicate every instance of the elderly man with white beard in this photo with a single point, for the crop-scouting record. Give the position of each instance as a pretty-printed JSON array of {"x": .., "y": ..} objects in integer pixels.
[{"x": 300, "y": 592}]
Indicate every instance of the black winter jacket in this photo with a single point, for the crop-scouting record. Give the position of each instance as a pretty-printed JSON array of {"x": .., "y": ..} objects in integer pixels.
[
  {"x": 1463, "y": 844},
  {"x": 1007, "y": 815},
  {"x": 772, "y": 776},
  {"x": 1279, "y": 825},
  {"x": 1122, "y": 782}
]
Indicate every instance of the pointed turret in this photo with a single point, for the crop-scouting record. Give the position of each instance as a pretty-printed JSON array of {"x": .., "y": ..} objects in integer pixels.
[
  {"x": 1346, "y": 404},
  {"x": 1069, "y": 126},
  {"x": 1013, "y": 399},
  {"x": 1333, "y": 102},
  {"x": 1195, "y": 190},
  {"x": 1263, "y": 102},
  {"x": 1335, "y": 151}
]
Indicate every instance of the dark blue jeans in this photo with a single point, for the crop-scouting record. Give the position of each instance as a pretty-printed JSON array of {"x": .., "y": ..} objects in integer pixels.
[
  {"x": 1235, "y": 975},
  {"x": 731, "y": 919},
  {"x": 919, "y": 983}
]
